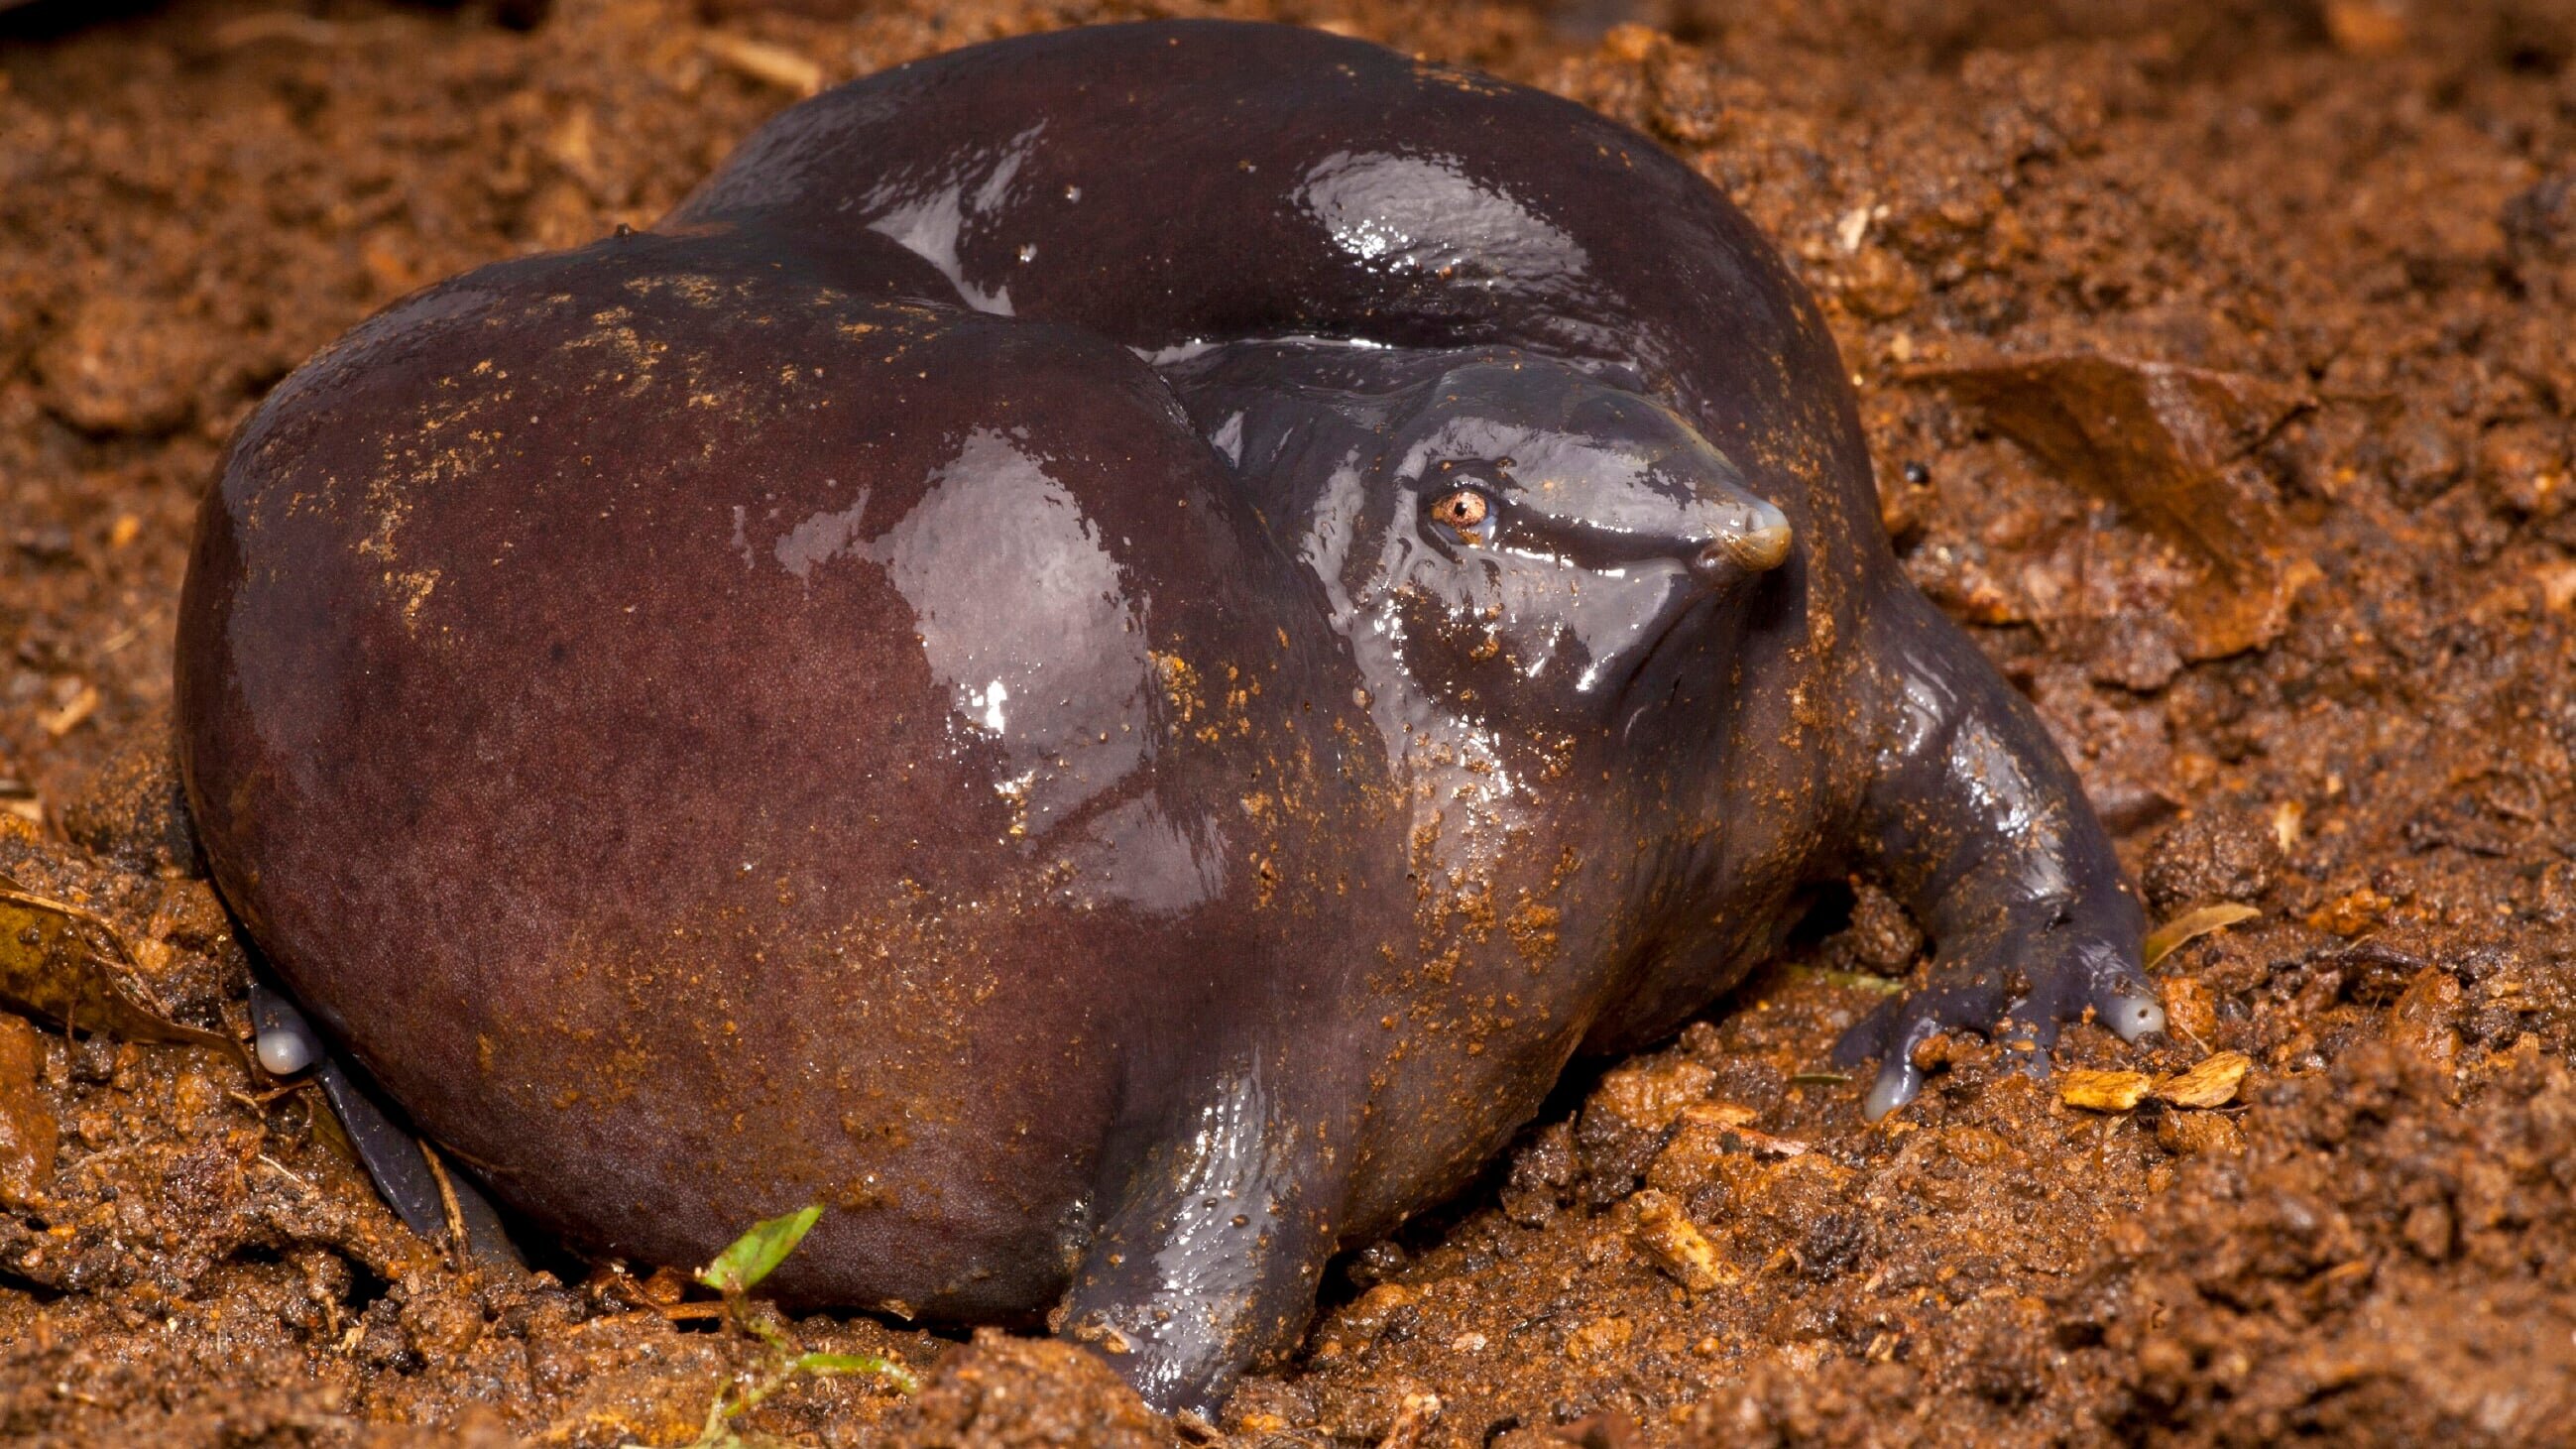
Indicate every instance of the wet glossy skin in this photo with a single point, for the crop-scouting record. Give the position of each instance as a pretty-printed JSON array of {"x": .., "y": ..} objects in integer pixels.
[{"x": 929, "y": 685}]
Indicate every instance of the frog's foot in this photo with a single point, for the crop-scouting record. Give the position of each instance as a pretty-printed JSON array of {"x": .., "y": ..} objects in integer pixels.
[
  {"x": 1982, "y": 830},
  {"x": 431, "y": 1198},
  {"x": 1212, "y": 1249},
  {"x": 2019, "y": 991}
]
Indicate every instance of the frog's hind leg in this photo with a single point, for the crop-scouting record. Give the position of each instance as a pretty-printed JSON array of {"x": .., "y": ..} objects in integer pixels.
[
  {"x": 428, "y": 1198},
  {"x": 1977, "y": 824},
  {"x": 1213, "y": 1240}
]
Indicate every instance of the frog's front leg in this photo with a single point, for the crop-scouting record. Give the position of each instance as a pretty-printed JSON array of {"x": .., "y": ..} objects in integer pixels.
[
  {"x": 1977, "y": 824},
  {"x": 1211, "y": 1246},
  {"x": 430, "y": 1201}
]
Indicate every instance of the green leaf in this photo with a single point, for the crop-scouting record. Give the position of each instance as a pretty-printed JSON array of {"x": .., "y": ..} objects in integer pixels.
[
  {"x": 757, "y": 1253},
  {"x": 856, "y": 1363}
]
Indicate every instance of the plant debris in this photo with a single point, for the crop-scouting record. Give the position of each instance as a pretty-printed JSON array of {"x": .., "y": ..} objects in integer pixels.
[
  {"x": 1676, "y": 1243},
  {"x": 2104, "y": 1091},
  {"x": 2162, "y": 441},
  {"x": 2190, "y": 926},
  {"x": 2212, "y": 1083},
  {"x": 739, "y": 1268},
  {"x": 74, "y": 968}
]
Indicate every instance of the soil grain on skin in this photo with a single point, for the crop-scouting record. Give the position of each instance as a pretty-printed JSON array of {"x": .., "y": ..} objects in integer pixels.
[{"x": 2214, "y": 359}]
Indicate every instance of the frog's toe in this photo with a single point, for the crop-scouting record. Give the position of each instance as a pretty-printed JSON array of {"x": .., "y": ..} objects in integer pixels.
[
  {"x": 2133, "y": 1016},
  {"x": 1898, "y": 1082},
  {"x": 398, "y": 1164},
  {"x": 286, "y": 1043},
  {"x": 2104, "y": 979},
  {"x": 1891, "y": 1034}
]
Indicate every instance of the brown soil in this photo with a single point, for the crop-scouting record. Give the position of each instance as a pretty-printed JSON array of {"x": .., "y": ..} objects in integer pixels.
[{"x": 2305, "y": 617}]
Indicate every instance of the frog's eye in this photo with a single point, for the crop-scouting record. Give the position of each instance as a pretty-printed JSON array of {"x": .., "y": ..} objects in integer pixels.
[{"x": 1465, "y": 511}]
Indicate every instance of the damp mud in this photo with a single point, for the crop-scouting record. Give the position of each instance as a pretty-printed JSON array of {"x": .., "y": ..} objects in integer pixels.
[{"x": 2214, "y": 361}]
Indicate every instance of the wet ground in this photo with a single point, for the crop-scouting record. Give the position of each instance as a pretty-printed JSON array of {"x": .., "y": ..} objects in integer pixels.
[{"x": 2217, "y": 366}]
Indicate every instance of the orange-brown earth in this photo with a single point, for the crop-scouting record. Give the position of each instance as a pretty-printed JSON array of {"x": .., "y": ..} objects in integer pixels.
[{"x": 2216, "y": 359}]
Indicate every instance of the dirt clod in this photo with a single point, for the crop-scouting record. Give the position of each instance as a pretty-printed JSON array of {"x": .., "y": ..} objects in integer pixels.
[
  {"x": 27, "y": 1129},
  {"x": 2211, "y": 857},
  {"x": 134, "y": 811},
  {"x": 1008, "y": 1393}
]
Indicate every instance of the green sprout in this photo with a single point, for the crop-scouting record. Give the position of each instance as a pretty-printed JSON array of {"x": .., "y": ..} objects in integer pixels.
[
  {"x": 757, "y": 1254},
  {"x": 736, "y": 1270},
  {"x": 1869, "y": 981}
]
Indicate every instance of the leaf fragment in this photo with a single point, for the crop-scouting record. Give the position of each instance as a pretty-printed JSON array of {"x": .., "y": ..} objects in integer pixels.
[
  {"x": 757, "y": 1253},
  {"x": 2213, "y": 1083},
  {"x": 2190, "y": 926},
  {"x": 2104, "y": 1091},
  {"x": 1676, "y": 1243}
]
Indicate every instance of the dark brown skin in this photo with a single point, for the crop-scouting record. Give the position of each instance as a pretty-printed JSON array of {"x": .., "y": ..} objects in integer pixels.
[{"x": 791, "y": 709}]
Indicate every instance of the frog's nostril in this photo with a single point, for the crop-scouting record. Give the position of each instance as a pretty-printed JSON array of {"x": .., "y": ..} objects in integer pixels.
[{"x": 1754, "y": 550}]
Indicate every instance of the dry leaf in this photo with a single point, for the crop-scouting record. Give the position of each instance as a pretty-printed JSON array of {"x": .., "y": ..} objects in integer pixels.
[
  {"x": 1763, "y": 1144},
  {"x": 74, "y": 968},
  {"x": 2191, "y": 926},
  {"x": 2104, "y": 1091},
  {"x": 2286, "y": 818},
  {"x": 1720, "y": 1115},
  {"x": 2160, "y": 440},
  {"x": 63, "y": 721},
  {"x": 2211, "y": 1084}
]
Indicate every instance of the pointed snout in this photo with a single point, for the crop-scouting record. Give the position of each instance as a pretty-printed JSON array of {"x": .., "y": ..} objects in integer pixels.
[{"x": 1757, "y": 544}]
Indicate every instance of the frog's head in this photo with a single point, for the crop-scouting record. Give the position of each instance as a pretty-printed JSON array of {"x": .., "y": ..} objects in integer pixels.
[{"x": 1552, "y": 533}]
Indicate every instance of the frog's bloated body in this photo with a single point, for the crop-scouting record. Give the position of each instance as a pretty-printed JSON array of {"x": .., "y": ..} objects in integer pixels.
[{"x": 1103, "y": 655}]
